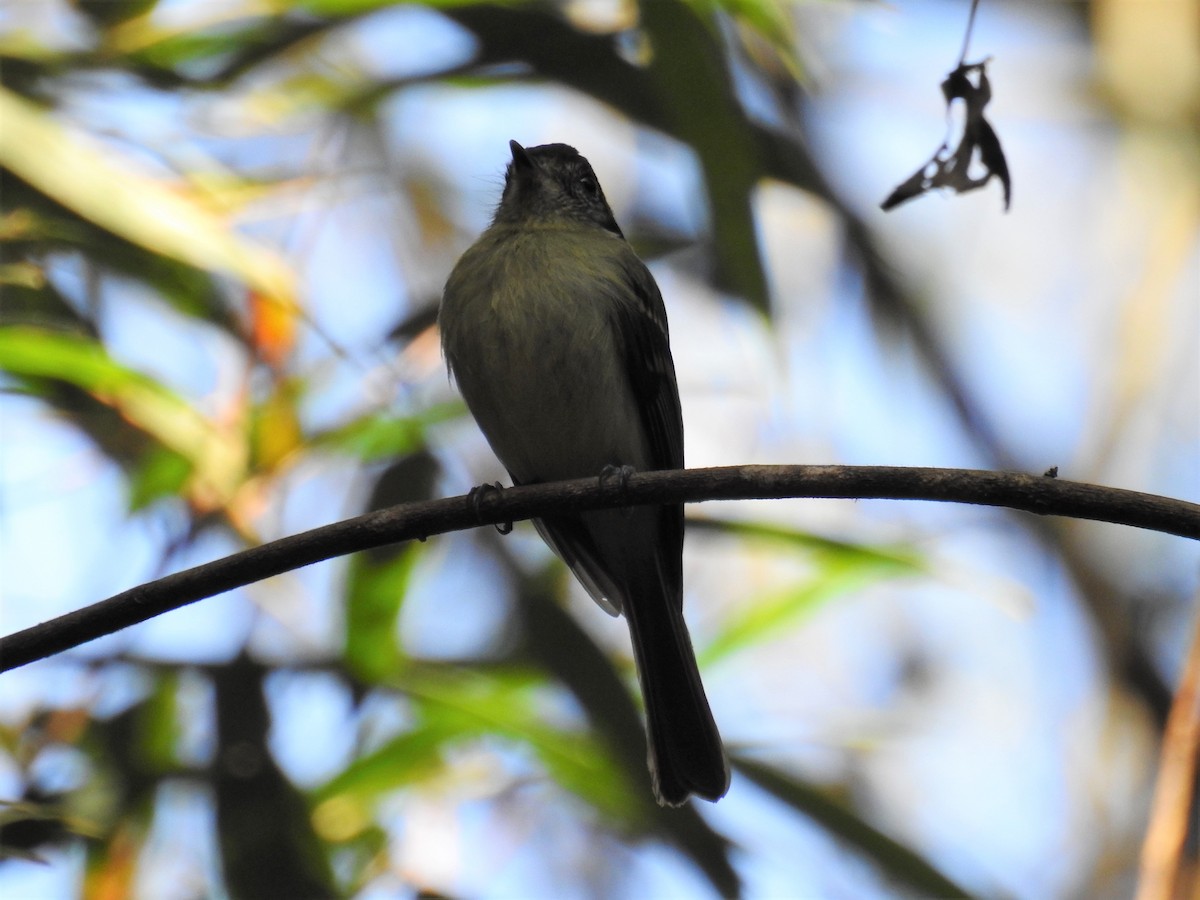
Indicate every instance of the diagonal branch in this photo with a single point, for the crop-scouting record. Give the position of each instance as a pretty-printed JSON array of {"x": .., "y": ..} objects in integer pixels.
[{"x": 1030, "y": 493}]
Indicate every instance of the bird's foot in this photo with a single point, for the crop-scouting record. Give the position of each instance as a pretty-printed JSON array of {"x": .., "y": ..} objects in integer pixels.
[
  {"x": 621, "y": 474},
  {"x": 478, "y": 496}
]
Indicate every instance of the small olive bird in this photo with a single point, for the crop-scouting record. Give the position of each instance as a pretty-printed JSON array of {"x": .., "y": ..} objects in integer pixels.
[{"x": 556, "y": 334}]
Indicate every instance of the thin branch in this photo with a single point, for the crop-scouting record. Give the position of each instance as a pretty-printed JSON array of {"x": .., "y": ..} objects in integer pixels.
[
  {"x": 962, "y": 57},
  {"x": 1162, "y": 865},
  {"x": 1035, "y": 494}
]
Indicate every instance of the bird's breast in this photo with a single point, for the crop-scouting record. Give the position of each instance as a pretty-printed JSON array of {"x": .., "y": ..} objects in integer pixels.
[{"x": 532, "y": 342}]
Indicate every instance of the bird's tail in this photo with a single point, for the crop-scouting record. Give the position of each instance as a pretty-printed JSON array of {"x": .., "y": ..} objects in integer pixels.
[{"x": 686, "y": 754}]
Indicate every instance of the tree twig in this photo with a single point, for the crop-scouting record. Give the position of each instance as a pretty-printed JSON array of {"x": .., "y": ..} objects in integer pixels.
[
  {"x": 1162, "y": 864},
  {"x": 1035, "y": 494},
  {"x": 962, "y": 57}
]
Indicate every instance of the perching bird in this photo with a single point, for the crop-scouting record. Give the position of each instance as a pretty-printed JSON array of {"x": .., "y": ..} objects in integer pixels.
[{"x": 556, "y": 334}]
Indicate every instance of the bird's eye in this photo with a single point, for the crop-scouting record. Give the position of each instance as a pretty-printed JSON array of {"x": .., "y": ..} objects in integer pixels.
[{"x": 589, "y": 186}]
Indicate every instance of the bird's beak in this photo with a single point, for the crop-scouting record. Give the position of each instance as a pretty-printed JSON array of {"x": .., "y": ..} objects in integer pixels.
[{"x": 521, "y": 160}]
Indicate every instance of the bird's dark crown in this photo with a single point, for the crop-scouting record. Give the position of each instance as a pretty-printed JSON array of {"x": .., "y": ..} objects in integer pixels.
[{"x": 553, "y": 182}]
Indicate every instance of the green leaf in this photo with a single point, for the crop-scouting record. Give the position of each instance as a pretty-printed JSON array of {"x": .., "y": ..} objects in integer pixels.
[
  {"x": 176, "y": 50},
  {"x": 689, "y": 65},
  {"x": 356, "y": 7},
  {"x": 408, "y": 759},
  {"x": 384, "y": 436},
  {"x": 169, "y": 220},
  {"x": 377, "y": 585},
  {"x": 507, "y": 703},
  {"x": 900, "y": 556},
  {"x": 35, "y": 225},
  {"x": 768, "y": 19},
  {"x": 157, "y": 724},
  {"x": 218, "y": 460},
  {"x": 840, "y": 568},
  {"x": 764, "y": 618},
  {"x": 160, "y": 473},
  {"x": 275, "y": 431},
  {"x": 454, "y": 705}
]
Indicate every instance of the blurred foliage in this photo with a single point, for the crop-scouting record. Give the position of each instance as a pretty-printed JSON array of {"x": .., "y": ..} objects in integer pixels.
[{"x": 87, "y": 222}]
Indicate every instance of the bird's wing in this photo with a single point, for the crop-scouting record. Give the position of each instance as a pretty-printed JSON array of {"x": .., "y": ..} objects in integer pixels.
[{"x": 642, "y": 327}]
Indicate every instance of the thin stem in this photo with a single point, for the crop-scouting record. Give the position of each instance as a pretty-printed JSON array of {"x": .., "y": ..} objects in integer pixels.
[
  {"x": 962, "y": 57},
  {"x": 1162, "y": 863},
  {"x": 1031, "y": 493}
]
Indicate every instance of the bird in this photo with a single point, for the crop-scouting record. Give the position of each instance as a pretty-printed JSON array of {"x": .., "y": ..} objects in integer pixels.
[{"x": 556, "y": 334}]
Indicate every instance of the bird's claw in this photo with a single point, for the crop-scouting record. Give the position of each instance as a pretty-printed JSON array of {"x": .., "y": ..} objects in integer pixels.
[
  {"x": 478, "y": 495},
  {"x": 621, "y": 473}
]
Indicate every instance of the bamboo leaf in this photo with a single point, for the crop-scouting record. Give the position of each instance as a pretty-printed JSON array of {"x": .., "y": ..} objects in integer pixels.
[
  {"x": 841, "y": 568},
  {"x": 171, "y": 221},
  {"x": 375, "y": 590},
  {"x": 384, "y": 436},
  {"x": 218, "y": 459}
]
